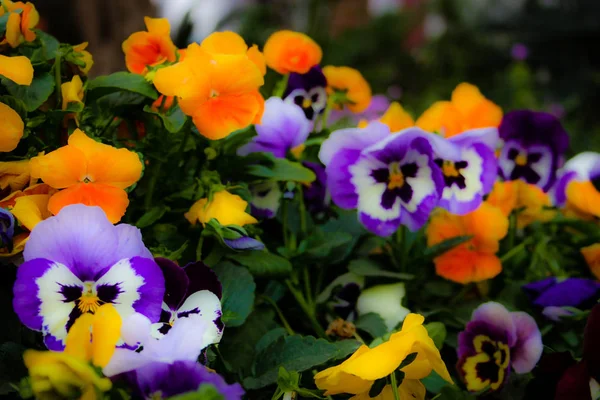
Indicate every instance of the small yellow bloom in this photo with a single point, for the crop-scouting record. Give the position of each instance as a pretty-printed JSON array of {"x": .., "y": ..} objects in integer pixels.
[
  {"x": 18, "y": 69},
  {"x": 14, "y": 174},
  {"x": 397, "y": 118},
  {"x": 357, "y": 374},
  {"x": 227, "y": 208},
  {"x": 72, "y": 92},
  {"x": 86, "y": 57},
  {"x": 11, "y": 129},
  {"x": 592, "y": 257},
  {"x": 352, "y": 83}
]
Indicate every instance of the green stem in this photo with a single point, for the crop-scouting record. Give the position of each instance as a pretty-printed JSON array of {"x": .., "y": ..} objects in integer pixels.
[
  {"x": 395, "y": 386},
  {"x": 284, "y": 220},
  {"x": 401, "y": 246},
  {"x": 199, "y": 248},
  {"x": 512, "y": 230},
  {"x": 214, "y": 256},
  {"x": 152, "y": 184},
  {"x": 327, "y": 111},
  {"x": 58, "y": 78},
  {"x": 186, "y": 135},
  {"x": 303, "y": 227},
  {"x": 284, "y": 321},
  {"x": 514, "y": 250},
  {"x": 310, "y": 313},
  {"x": 281, "y": 85},
  {"x": 307, "y": 290}
]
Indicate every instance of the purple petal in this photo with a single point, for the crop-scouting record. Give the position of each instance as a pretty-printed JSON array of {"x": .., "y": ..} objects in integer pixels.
[
  {"x": 497, "y": 315},
  {"x": 554, "y": 313},
  {"x": 176, "y": 282},
  {"x": 352, "y": 139},
  {"x": 202, "y": 277},
  {"x": 486, "y": 136},
  {"x": 339, "y": 179},
  {"x": 538, "y": 287},
  {"x": 314, "y": 78},
  {"x": 528, "y": 348},
  {"x": 244, "y": 243},
  {"x": 572, "y": 292},
  {"x": 383, "y": 228},
  {"x": 130, "y": 244}
]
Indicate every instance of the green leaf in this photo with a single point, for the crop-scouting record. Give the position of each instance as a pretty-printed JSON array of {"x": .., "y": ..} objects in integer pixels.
[
  {"x": 263, "y": 263},
  {"x": 206, "y": 391},
  {"x": 15, "y": 104},
  {"x": 321, "y": 245},
  {"x": 296, "y": 353},
  {"x": 269, "y": 338},
  {"x": 34, "y": 95},
  {"x": 282, "y": 170},
  {"x": 151, "y": 216},
  {"x": 238, "y": 291},
  {"x": 173, "y": 120},
  {"x": 447, "y": 245},
  {"x": 3, "y": 21},
  {"x": 453, "y": 392},
  {"x": 437, "y": 332},
  {"x": 434, "y": 382},
  {"x": 371, "y": 323},
  {"x": 124, "y": 81},
  {"x": 366, "y": 267}
]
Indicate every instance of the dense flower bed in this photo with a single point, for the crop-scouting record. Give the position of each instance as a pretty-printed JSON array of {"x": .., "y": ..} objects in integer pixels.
[{"x": 168, "y": 232}]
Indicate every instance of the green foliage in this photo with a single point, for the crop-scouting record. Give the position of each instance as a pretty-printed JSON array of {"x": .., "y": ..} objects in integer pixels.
[
  {"x": 238, "y": 292},
  {"x": 124, "y": 81},
  {"x": 264, "y": 264},
  {"x": 32, "y": 96}
]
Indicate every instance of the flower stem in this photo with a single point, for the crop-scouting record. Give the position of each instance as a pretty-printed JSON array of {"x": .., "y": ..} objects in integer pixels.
[
  {"x": 152, "y": 184},
  {"x": 395, "y": 386},
  {"x": 58, "y": 78},
  {"x": 514, "y": 250},
  {"x": 284, "y": 321},
  {"x": 307, "y": 290},
  {"x": 310, "y": 312}
]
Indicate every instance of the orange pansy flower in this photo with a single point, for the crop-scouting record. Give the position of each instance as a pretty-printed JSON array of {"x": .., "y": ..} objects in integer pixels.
[
  {"x": 90, "y": 173},
  {"x": 468, "y": 109},
  {"x": 351, "y": 82},
  {"x": 219, "y": 91},
  {"x": 583, "y": 200},
  {"x": 20, "y": 25},
  {"x": 397, "y": 118},
  {"x": 592, "y": 258},
  {"x": 531, "y": 201},
  {"x": 474, "y": 260},
  {"x": 231, "y": 43},
  {"x": 151, "y": 48},
  {"x": 288, "y": 51}
]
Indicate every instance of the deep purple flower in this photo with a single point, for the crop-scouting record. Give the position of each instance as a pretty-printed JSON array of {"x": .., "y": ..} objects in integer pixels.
[
  {"x": 519, "y": 52},
  {"x": 307, "y": 91},
  {"x": 7, "y": 228},
  {"x": 581, "y": 168},
  {"x": 266, "y": 198},
  {"x": 469, "y": 167},
  {"x": 315, "y": 193},
  {"x": 492, "y": 342},
  {"x": 283, "y": 129},
  {"x": 534, "y": 146},
  {"x": 342, "y": 294},
  {"x": 244, "y": 243},
  {"x": 191, "y": 290},
  {"x": 390, "y": 179},
  {"x": 78, "y": 260},
  {"x": 551, "y": 294}
]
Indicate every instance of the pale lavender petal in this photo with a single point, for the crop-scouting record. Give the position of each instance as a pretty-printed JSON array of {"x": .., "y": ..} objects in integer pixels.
[
  {"x": 244, "y": 243},
  {"x": 206, "y": 306},
  {"x": 79, "y": 237},
  {"x": 352, "y": 138},
  {"x": 124, "y": 360},
  {"x": 496, "y": 314},
  {"x": 555, "y": 313},
  {"x": 586, "y": 165},
  {"x": 135, "y": 329},
  {"x": 186, "y": 339},
  {"x": 487, "y": 136},
  {"x": 527, "y": 350},
  {"x": 130, "y": 244}
]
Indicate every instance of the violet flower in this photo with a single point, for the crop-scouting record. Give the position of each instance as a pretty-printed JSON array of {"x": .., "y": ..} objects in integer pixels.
[
  {"x": 191, "y": 290},
  {"x": 7, "y": 228},
  {"x": 494, "y": 341},
  {"x": 390, "y": 179},
  {"x": 534, "y": 146},
  {"x": 77, "y": 261},
  {"x": 307, "y": 91}
]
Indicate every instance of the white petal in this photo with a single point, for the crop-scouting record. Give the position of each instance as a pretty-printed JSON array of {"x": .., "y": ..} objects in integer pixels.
[{"x": 385, "y": 300}]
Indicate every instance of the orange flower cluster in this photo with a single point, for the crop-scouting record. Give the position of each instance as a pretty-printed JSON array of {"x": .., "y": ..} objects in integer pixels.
[{"x": 22, "y": 20}]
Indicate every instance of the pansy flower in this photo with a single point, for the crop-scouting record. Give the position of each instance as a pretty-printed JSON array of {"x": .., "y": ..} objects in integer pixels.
[
  {"x": 166, "y": 367},
  {"x": 316, "y": 197},
  {"x": 474, "y": 260},
  {"x": 592, "y": 258},
  {"x": 227, "y": 208},
  {"x": 219, "y": 91},
  {"x": 231, "y": 43},
  {"x": 342, "y": 294},
  {"x": 396, "y": 118},
  {"x": 357, "y": 374},
  {"x": 287, "y": 51},
  {"x": 14, "y": 175},
  {"x": 11, "y": 130},
  {"x": 469, "y": 167},
  {"x": 18, "y": 69},
  {"x": 307, "y": 91},
  {"x": 534, "y": 145},
  {"x": 390, "y": 179},
  {"x": 494, "y": 342},
  {"x": 468, "y": 109},
  {"x": 386, "y": 301},
  {"x": 89, "y": 173},
  {"x": 378, "y": 105},
  {"x": 7, "y": 229},
  {"x": 266, "y": 199},
  {"x": 149, "y": 48},
  {"x": 283, "y": 129},
  {"x": 77, "y": 261},
  {"x": 85, "y": 56},
  {"x": 353, "y": 91},
  {"x": 72, "y": 92},
  {"x": 576, "y": 187},
  {"x": 191, "y": 290},
  {"x": 22, "y": 20},
  {"x": 553, "y": 294}
]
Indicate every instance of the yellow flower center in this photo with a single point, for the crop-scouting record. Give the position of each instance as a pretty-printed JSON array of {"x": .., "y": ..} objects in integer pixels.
[
  {"x": 213, "y": 93},
  {"x": 449, "y": 169},
  {"x": 396, "y": 179},
  {"x": 306, "y": 103},
  {"x": 297, "y": 151},
  {"x": 89, "y": 300},
  {"x": 488, "y": 367},
  {"x": 521, "y": 159}
]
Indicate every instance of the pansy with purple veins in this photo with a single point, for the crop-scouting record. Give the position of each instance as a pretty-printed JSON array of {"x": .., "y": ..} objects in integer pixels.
[
  {"x": 193, "y": 290},
  {"x": 75, "y": 262},
  {"x": 494, "y": 341},
  {"x": 307, "y": 91},
  {"x": 469, "y": 167},
  {"x": 534, "y": 147},
  {"x": 391, "y": 179},
  {"x": 283, "y": 129}
]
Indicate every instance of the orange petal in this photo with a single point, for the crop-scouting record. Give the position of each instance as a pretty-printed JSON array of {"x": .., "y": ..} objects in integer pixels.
[
  {"x": 106, "y": 164},
  {"x": 257, "y": 58},
  {"x": 457, "y": 265},
  {"x": 13, "y": 30},
  {"x": 221, "y": 115},
  {"x": 592, "y": 258},
  {"x": 584, "y": 196},
  {"x": 504, "y": 196},
  {"x": 232, "y": 74},
  {"x": 29, "y": 20},
  {"x": 442, "y": 117},
  {"x": 287, "y": 51},
  {"x": 224, "y": 43},
  {"x": 158, "y": 26},
  {"x": 143, "y": 49},
  {"x": 112, "y": 200},
  {"x": 11, "y": 128},
  {"x": 60, "y": 168},
  {"x": 353, "y": 83},
  {"x": 18, "y": 69},
  {"x": 397, "y": 118}
]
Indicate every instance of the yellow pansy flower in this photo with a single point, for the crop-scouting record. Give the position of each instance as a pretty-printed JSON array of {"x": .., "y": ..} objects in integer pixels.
[
  {"x": 72, "y": 92},
  {"x": 227, "y": 208},
  {"x": 11, "y": 129}
]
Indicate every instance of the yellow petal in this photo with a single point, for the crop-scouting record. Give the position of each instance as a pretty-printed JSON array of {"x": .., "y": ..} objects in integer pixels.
[
  {"x": 18, "y": 69},
  {"x": 13, "y": 30},
  {"x": 257, "y": 58},
  {"x": 72, "y": 92},
  {"x": 397, "y": 118},
  {"x": 31, "y": 210},
  {"x": 14, "y": 174},
  {"x": 11, "y": 128},
  {"x": 592, "y": 258},
  {"x": 60, "y": 168},
  {"x": 225, "y": 43},
  {"x": 79, "y": 338},
  {"x": 158, "y": 26},
  {"x": 107, "y": 331},
  {"x": 466, "y": 97}
]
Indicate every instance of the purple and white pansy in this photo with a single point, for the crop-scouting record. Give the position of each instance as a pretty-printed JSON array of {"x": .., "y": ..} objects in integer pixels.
[
  {"x": 469, "y": 167},
  {"x": 77, "y": 261},
  {"x": 493, "y": 342},
  {"x": 390, "y": 179},
  {"x": 534, "y": 147},
  {"x": 307, "y": 91},
  {"x": 193, "y": 290}
]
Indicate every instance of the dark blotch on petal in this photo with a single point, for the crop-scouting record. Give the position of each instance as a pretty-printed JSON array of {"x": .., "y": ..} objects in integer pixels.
[
  {"x": 108, "y": 293},
  {"x": 176, "y": 282},
  {"x": 201, "y": 277},
  {"x": 70, "y": 293}
]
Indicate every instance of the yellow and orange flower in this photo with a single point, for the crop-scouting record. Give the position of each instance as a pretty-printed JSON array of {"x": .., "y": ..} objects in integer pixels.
[
  {"x": 468, "y": 109},
  {"x": 227, "y": 208},
  {"x": 21, "y": 24},
  {"x": 231, "y": 43},
  {"x": 583, "y": 201},
  {"x": 474, "y": 260},
  {"x": 351, "y": 83},
  {"x": 90, "y": 173},
  {"x": 14, "y": 175},
  {"x": 151, "y": 48},
  {"x": 288, "y": 51},
  {"x": 532, "y": 203},
  {"x": 86, "y": 57},
  {"x": 72, "y": 92},
  {"x": 592, "y": 258},
  {"x": 219, "y": 91},
  {"x": 11, "y": 128}
]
